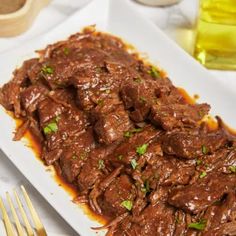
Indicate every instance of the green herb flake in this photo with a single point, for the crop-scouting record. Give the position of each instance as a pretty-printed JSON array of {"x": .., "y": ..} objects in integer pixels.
[
  {"x": 127, "y": 204},
  {"x": 138, "y": 80},
  {"x": 120, "y": 157},
  {"x": 177, "y": 220},
  {"x": 146, "y": 187},
  {"x": 203, "y": 174},
  {"x": 100, "y": 102},
  {"x": 57, "y": 118},
  {"x": 47, "y": 70},
  {"x": 136, "y": 130},
  {"x": 200, "y": 225},
  {"x": 101, "y": 164},
  {"x": 143, "y": 99},
  {"x": 66, "y": 51},
  {"x": 50, "y": 128},
  {"x": 198, "y": 162},
  {"x": 83, "y": 155},
  {"x": 232, "y": 169},
  {"x": 204, "y": 149},
  {"x": 127, "y": 134},
  {"x": 141, "y": 149},
  {"x": 154, "y": 72},
  {"x": 134, "y": 163}
]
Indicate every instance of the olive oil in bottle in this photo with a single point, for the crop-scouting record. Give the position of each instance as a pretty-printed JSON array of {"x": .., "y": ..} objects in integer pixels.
[{"x": 216, "y": 34}]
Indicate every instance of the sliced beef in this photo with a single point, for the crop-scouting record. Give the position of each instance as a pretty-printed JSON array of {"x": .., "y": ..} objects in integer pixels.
[
  {"x": 75, "y": 154},
  {"x": 127, "y": 150},
  {"x": 169, "y": 116},
  {"x": 164, "y": 173},
  {"x": 220, "y": 213},
  {"x": 111, "y": 127},
  {"x": 96, "y": 164},
  {"x": 32, "y": 96},
  {"x": 204, "y": 192},
  {"x": 121, "y": 190},
  {"x": 156, "y": 220},
  {"x": 139, "y": 95},
  {"x": 192, "y": 144}
]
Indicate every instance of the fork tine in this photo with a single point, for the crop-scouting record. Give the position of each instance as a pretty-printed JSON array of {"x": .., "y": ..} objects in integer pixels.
[
  {"x": 24, "y": 216},
  {"x": 6, "y": 220},
  {"x": 38, "y": 224},
  {"x": 16, "y": 219}
]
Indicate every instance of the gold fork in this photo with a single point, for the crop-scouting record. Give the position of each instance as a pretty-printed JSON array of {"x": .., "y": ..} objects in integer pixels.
[{"x": 39, "y": 228}]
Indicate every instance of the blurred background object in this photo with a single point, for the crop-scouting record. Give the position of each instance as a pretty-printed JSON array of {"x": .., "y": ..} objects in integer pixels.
[
  {"x": 158, "y": 2},
  {"x": 7, "y": 6},
  {"x": 216, "y": 34},
  {"x": 16, "y": 16}
]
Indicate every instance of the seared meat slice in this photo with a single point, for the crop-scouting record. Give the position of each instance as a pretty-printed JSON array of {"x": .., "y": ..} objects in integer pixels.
[
  {"x": 10, "y": 92},
  {"x": 48, "y": 109},
  {"x": 110, "y": 119},
  {"x": 169, "y": 116},
  {"x": 192, "y": 144},
  {"x": 119, "y": 191},
  {"x": 158, "y": 220},
  {"x": 75, "y": 154},
  {"x": 221, "y": 212},
  {"x": 111, "y": 127},
  {"x": 139, "y": 94},
  {"x": 31, "y": 97},
  {"x": 126, "y": 151},
  {"x": 9, "y": 97},
  {"x": 205, "y": 191},
  {"x": 164, "y": 173},
  {"x": 226, "y": 229},
  {"x": 96, "y": 164}
]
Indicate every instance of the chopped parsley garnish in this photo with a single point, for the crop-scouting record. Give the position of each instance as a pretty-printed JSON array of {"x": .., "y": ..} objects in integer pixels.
[
  {"x": 142, "y": 149},
  {"x": 143, "y": 99},
  {"x": 57, "y": 118},
  {"x": 47, "y": 70},
  {"x": 154, "y": 72},
  {"x": 66, "y": 51},
  {"x": 127, "y": 134},
  {"x": 83, "y": 155},
  {"x": 133, "y": 163},
  {"x": 50, "y": 128},
  {"x": 204, "y": 149},
  {"x": 127, "y": 204},
  {"x": 232, "y": 169},
  {"x": 101, "y": 164},
  {"x": 177, "y": 220},
  {"x": 130, "y": 133},
  {"x": 200, "y": 225},
  {"x": 138, "y": 80},
  {"x": 120, "y": 157},
  {"x": 100, "y": 102},
  {"x": 146, "y": 187},
  {"x": 203, "y": 174},
  {"x": 198, "y": 162}
]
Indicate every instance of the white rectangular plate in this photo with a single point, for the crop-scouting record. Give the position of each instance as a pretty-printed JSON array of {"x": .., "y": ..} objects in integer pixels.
[{"x": 118, "y": 18}]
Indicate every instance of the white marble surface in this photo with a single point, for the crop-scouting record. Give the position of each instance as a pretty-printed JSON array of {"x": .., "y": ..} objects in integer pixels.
[{"x": 177, "y": 21}]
